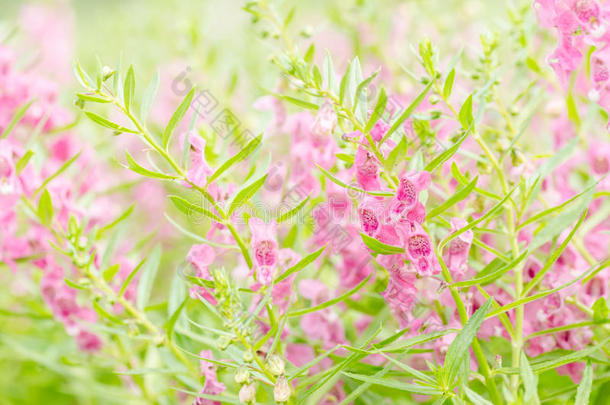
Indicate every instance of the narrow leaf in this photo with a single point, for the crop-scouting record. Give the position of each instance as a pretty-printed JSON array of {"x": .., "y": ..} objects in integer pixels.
[
  {"x": 149, "y": 96},
  {"x": 460, "y": 345},
  {"x": 407, "y": 112},
  {"x": 189, "y": 208},
  {"x": 459, "y": 195},
  {"x": 530, "y": 381},
  {"x": 448, "y": 87},
  {"x": 149, "y": 272},
  {"x": 287, "y": 215},
  {"x": 378, "y": 111},
  {"x": 379, "y": 247},
  {"x": 584, "y": 388},
  {"x": 177, "y": 117},
  {"x": 129, "y": 88},
  {"x": 310, "y": 258},
  {"x": 241, "y": 155},
  {"x": 17, "y": 116},
  {"x": 134, "y": 166},
  {"x": 45, "y": 208},
  {"x": 246, "y": 193}
]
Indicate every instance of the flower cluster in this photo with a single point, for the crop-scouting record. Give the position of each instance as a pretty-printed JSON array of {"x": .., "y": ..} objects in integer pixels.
[{"x": 434, "y": 229}]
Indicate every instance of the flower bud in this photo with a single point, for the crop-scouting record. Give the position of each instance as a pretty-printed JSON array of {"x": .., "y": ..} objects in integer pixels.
[
  {"x": 242, "y": 375},
  {"x": 107, "y": 72},
  {"x": 247, "y": 393},
  {"x": 223, "y": 342},
  {"x": 281, "y": 392},
  {"x": 498, "y": 362},
  {"x": 517, "y": 157},
  {"x": 72, "y": 226},
  {"x": 248, "y": 357},
  {"x": 276, "y": 365}
]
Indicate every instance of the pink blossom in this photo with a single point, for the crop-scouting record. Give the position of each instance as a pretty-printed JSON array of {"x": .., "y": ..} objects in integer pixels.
[
  {"x": 265, "y": 249},
  {"x": 459, "y": 247},
  {"x": 211, "y": 386}
]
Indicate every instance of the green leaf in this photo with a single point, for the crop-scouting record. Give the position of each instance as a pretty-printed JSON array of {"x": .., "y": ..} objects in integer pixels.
[
  {"x": 572, "y": 109},
  {"x": 379, "y": 247},
  {"x": 241, "y": 155},
  {"x": 407, "y": 112},
  {"x": 98, "y": 119},
  {"x": 110, "y": 272},
  {"x": 45, "y": 208},
  {"x": 378, "y": 111},
  {"x": 130, "y": 277},
  {"x": 171, "y": 322},
  {"x": 82, "y": 76},
  {"x": 287, "y": 215},
  {"x": 100, "y": 232},
  {"x": 474, "y": 397},
  {"x": 461, "y": 194},
  {"x": 460, "y": 345},
  {"x": 149, "y": 96},
  {"x": 402, "y": 345},
  {"x": 397, "y": 154},
  {"x": 557, "y": 224},
  {"x": 310, "y": 258},
  {"x": 542, "y": 294},
  {"x": 23, "y": 161},
  {"x": 57, "y": 172},
  {"x": 297, "y": 102},
  {"x": 93, "y": 98},
  {"x": 394, "y": 384},
  {"x": 328, "y": 73},
  {"x": 189, "y": 208},
  {"x": 474, "y": 223},
  {"x": 105, "y": 314},
  {"x": 246, "y": 193},
  {"x": 584, "y": 388},
  {"x": 600, "y": 310},
  {"x": 331, "y": 302},
  {"x": 17, "y": 116},
  {"x": 129, "y": 88},
  {"x": 446, "y": 154},
  {"x": 343, "y": 86},
  {"x": 310, "y": 53},
  {"x": 134, "y": 166},
  {"x": 534, "y": 182},
  {"x": 530, "y": 381},
  {"x": 74, "y": 285},
  {"x": 177, "y": 117},
  {"x": 494, "y": 270},
  {"x": 448, "y": 87},
  {"x": 465, "y": 114},
  {"x": 198, "y": 238},
  {"x": 344, "y": 185},
  {"x": 360, "y": 95},
  {"x": 149, "y": 272}
]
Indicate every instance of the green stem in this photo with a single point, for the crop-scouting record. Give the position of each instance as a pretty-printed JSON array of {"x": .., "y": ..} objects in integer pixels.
[{"x": 476, "y": 347}]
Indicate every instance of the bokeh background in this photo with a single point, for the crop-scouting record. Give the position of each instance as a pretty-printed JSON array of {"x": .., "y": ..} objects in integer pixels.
[{"x": 226, "y": 54}]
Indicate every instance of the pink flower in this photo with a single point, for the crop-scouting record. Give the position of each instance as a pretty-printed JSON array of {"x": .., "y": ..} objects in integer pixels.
[
  {"x": 201, "y": 257},
  {"x": 379, "y": 130},
  {"x": 199, "y": 170},
  {"x": 459, "y": 247},
  {"x": 264, "y": 248},
  {"x": 367, "y": 169},
  {"x": 370, "y": 211},
  {"x": 419, "y": 250},
  {"x": 410, "y": 187},
  {"x": 322, "y": 127},
  {"x": 211, "y": 386}
]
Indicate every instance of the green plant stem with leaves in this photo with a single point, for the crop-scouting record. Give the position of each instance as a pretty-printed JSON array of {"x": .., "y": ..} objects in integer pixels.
[{"x": 83, "y": 264}]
